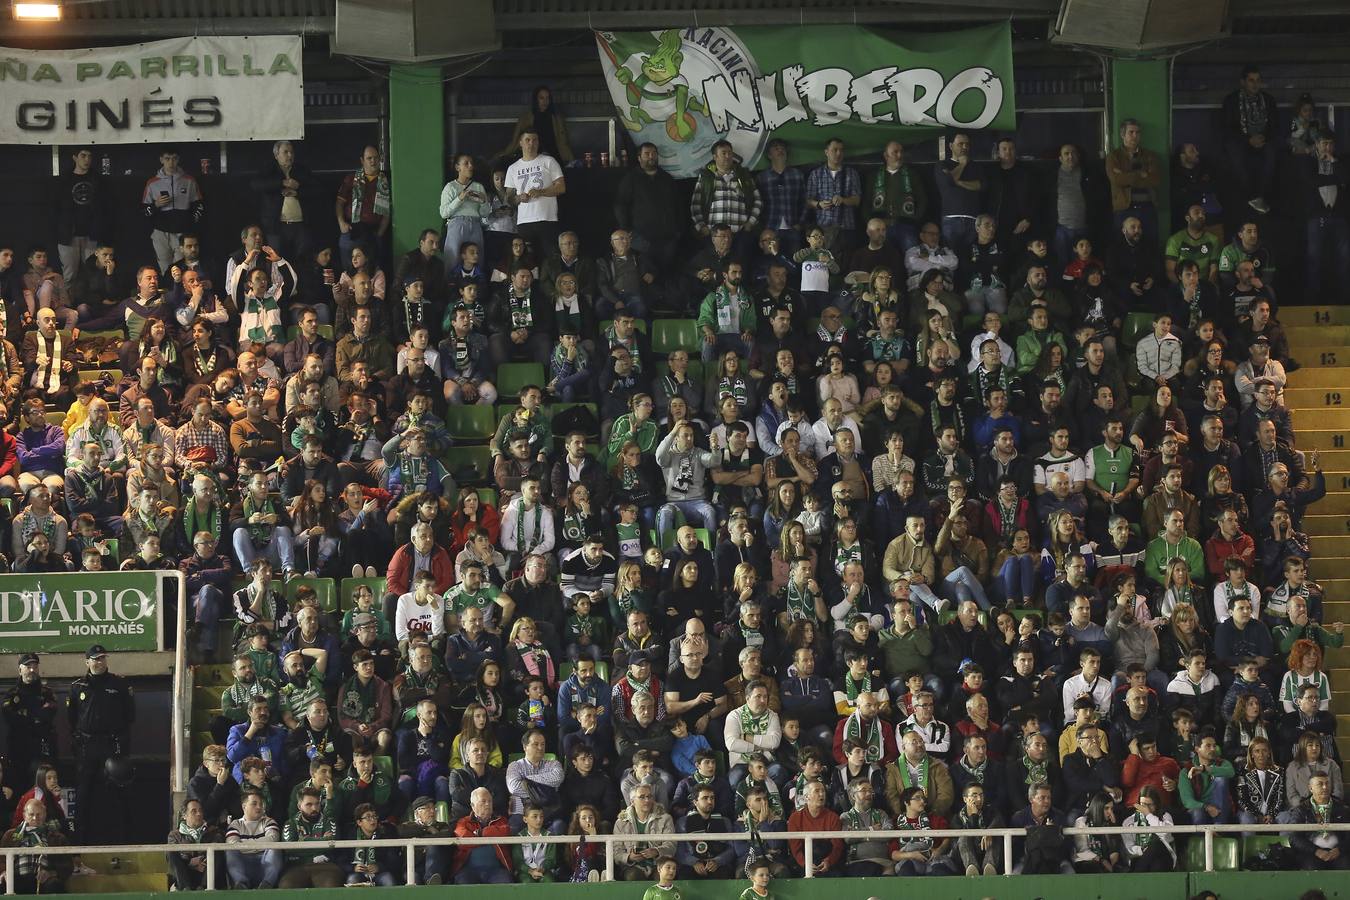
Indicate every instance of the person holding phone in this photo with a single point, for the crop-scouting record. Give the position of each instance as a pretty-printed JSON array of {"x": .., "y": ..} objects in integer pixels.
[
  {"x": 172, "y": 201},
  {"x": 464, "y": 205}
]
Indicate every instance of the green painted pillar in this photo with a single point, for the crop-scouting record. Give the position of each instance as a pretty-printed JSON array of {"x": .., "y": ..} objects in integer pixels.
[
  {"x": 416, "y": 150},
  {"x": 1142, "y": 89}
]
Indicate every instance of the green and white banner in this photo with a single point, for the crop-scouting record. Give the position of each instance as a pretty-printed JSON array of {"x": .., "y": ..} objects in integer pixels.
[
  {"x": 683, "y": 89},
  {"x": 68, "y": 613},
  {"x": 178, "y": 90}
]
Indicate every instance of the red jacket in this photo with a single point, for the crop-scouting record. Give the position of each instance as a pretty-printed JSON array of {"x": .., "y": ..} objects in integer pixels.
[
  {"x": 488, "y": 518},
  {"x": 9, "y": 453},
  {"x": 1217, "y": 550},
  {"x": 468, "y": 827},
  {"x": 828, "y": 820},
  {"x": 889, "y": 750},
  {"x": 1136, "y": 774},
  {"x": 399, "y": 578}
]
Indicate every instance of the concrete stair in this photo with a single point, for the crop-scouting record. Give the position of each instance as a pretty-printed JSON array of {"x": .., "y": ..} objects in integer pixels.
[{"x": 1318, "y": 395}]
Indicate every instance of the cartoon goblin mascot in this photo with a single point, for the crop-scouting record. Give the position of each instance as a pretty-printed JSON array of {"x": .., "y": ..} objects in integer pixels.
[{"x": 658, "y": 91}]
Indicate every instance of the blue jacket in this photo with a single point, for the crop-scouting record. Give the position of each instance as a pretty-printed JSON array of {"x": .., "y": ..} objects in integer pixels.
[
  {"x": 42, "y": 449},
  {"x": 571, "y": 692},
  {"x": 270, "y": 745}
]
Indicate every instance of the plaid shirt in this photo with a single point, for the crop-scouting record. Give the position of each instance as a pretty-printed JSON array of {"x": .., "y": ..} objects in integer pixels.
[
  {"x": 784, "y": 196},
  {"x": 213, "y": 436},
  {"x": 728, "y": 205},
  {"x": 821, "y": 186}
]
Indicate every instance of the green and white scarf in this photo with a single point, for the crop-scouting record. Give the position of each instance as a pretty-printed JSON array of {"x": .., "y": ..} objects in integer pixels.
[
  {"x": 753, "y": 724},
  {"x": 873, "y": 739},
  {"x": 382, "y": 195},
  {"x": 907, "y": 780}
]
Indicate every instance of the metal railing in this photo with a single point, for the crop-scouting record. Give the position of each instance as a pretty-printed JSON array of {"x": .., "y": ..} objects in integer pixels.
[{"x": 409, "y": 846}]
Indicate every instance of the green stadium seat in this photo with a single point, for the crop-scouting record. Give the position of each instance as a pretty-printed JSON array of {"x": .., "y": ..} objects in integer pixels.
[
  {"x": 704, "y": 538},
  {"x": 323, "y": 587},
  {"x": 1225, "y": 854},
  {"x": 675, "y": 334},
  {"x": 456, "y": 458},
  {"x": 1137, "y": 324},
  {"x": 511, "y": 377},
  {"x": 471, "y": 423},
  {"x": 55, "y": 416},
  {"x": 661, "y": 368},
  {"x": 442, "y": 812},
  {"x": 949, "y": 615},
  {"x": 1255, "y": 844},
  {"x": 349, "y": 586},
  {"x": 293, "y": 331},
  {"x": 556, "y": 409},
  {"x": 385, "y": 765},
  {"x": 488, "y": 495}
]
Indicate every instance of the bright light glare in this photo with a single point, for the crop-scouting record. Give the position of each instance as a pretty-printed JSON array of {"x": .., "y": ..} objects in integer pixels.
[{"x": 37, "y": 12}]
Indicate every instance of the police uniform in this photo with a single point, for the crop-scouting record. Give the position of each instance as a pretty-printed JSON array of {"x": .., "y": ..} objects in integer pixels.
[
  {"x": 102, "y": 709},
  {"x": 30, "y": 715}
]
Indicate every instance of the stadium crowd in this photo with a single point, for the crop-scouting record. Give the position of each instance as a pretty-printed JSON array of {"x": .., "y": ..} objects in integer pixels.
[{"x": 904, "y": 522}]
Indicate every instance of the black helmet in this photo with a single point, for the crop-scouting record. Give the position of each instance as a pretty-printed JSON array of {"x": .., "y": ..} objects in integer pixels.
[{"x": 119, "y": 771}]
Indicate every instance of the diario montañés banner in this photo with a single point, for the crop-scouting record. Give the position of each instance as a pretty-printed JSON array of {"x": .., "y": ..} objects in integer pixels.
[
  {"x": 683, "y": 89},
  {"x": 67, "y": 613}
]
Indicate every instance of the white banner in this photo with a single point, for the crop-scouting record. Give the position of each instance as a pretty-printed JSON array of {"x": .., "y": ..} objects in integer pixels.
[{"x": 173, "y": 91}]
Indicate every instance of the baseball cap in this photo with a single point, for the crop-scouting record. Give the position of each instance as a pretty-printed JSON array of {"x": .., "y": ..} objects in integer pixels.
[
  {"x": 95, "y": 652},
  {"x": 28, "y": 659},
  {"x": 362, "y": 619}
]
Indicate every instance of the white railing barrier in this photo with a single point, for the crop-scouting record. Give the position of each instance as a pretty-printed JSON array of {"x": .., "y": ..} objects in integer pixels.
[{"x": 411, "y": 845}]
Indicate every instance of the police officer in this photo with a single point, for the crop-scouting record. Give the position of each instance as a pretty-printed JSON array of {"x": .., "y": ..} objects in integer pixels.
[
  {"x": 30, "y": 715},
  {"x": 102, "y": 708}
]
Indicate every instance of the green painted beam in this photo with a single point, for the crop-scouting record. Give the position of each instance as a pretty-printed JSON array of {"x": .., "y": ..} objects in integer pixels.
[
  {"x": 1142, "y": 90},
  {"x": 416, "y": 150}
]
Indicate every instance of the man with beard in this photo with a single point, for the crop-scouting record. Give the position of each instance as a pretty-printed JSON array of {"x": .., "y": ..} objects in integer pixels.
[
  {"x": 235, "y": 699},
  {"x": 258, "y": 737},
  {"x": 418, "y": 681},
  {"x": 424, "y": 755},
  {"x": 727, "y": 317},
  {"x": 30, "y": 714}
]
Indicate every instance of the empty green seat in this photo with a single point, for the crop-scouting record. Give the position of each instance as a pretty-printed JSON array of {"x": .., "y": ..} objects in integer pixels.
[
  {"x": 459, "y": 458},
  {"x": 1225, "y": 854},
  {"x": 675, "y": 334},
  {"x": 1137, "y": 324},
  {"x": 1254, "y": 845},
  {"x": 471, "y": 422},
  {"x": 511, "y": 377}
]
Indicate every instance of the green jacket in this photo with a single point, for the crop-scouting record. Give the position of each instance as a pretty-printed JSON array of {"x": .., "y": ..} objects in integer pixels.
[
  {"x": 523, "y": 871},
  {"x": 1286, "y": 634},
  {"x": 1159, "y": 552},
  {"x": 739, "y": 311},
  {"x": 909, "y": 652},
  {"x": 1030, "y": 346},
  {"x": 298, "y": 830},
  {"x": 1189, "y": 796}
]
